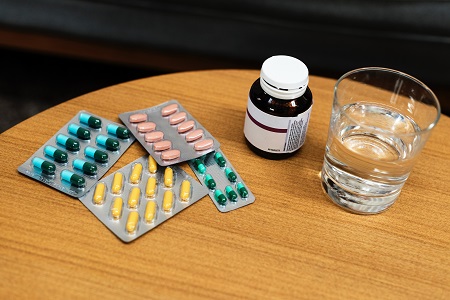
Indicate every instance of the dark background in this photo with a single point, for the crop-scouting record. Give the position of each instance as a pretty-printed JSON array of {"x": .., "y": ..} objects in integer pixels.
[
  {"x": 32, "y": 82},
  {"x": 54, "y": 50}
]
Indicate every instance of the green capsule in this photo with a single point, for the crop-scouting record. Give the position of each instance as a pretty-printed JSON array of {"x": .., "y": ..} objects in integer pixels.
[
  {"x": 80, "y": 132},
  {"x": 220, "y": 197},
  {"x": 108, "y": 143},
  {"x": 231, "y": 194},
  {"x": 86, "y": 167},
  {"x": 199, "y": 166},
  {"x": 69, "y": 143},
  {"x": 120, "y": 132},
  {"x": 242, "y": 190},
  {"x": 91, "y": 121},
  {"x": 230, "y": 175},
  {"x": 220, "y": 160},
  {"x": 73, "y": 178},
  {"x": 210, "y": 182},
  {"x": 46, "y": 166},
  {"x": 56, "y": 154},
  {"x": 97, "y": 155}
]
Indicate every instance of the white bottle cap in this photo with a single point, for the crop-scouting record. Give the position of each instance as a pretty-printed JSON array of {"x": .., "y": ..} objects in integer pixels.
[{"x": 284, "y": 77}]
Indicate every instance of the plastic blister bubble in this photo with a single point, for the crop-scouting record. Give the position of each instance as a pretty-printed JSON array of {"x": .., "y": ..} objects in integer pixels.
[
  {"x": 129, "y": 218},
  {"x": 168, "y": 129},
  {"x": 81, "y": 152},
  {"x": 226, "y": 188}
]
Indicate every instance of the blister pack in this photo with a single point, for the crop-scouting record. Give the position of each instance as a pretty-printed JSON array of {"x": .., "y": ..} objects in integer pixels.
[
  {"x": 140, "y": 196},
  {"x": 79, "y": 154},
  {"x": 225, "y": 185},
  {"x": 169, "y": 133}
]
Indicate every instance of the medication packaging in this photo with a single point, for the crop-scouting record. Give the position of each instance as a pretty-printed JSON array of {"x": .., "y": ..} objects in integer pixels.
[
  {"x": 169, "y": 133},
  {"x": 226, "y": 188},
  {"x": 79, "y": 154},
  {"x": 140, "y": 196},
  {"x": 278, "y": 108}
]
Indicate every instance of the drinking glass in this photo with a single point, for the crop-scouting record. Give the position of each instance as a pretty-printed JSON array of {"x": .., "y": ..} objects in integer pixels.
[{"x": 380, "y": 121}]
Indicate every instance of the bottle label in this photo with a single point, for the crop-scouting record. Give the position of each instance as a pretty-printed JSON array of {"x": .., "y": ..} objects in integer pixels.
[{"x": 275, "y": 134}]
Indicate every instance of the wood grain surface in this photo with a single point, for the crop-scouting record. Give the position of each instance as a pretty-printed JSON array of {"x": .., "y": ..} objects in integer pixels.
[{"x": 291, "y": 243}]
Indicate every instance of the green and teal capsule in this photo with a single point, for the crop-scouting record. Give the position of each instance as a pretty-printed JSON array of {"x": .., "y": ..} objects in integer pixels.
[
  {"x": 58, "y": 155},
  {"x": 242, "y": 190},
  {"x": 80, "y": 132},
  {"x": 84, "y": 166},
  {"x": 74, "y": 179},
  {"x": 46, "y": 166},
  {"x": 230, "y": 175},
  {"x": 120, "y": 132},
  {"x": 97, "y": 155},
  {"x": 231, "y": 194},
  {"x": 199, "y": 166},
  {"x": 220, "y": 197},
  {"x": 69, "y": 143},
  {"x": 210, "y": 182},
  {"x": 108, "y": 143},
  {"x": 91, "y": 121},
  {"x": 220, "y": 160}
]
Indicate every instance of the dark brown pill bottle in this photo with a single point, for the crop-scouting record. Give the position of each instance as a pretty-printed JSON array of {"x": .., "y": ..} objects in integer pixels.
[{"x": 278, "y": 108}]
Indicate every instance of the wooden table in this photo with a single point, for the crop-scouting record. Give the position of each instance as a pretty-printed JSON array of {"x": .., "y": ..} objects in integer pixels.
[{"x": 291, "y": 243}]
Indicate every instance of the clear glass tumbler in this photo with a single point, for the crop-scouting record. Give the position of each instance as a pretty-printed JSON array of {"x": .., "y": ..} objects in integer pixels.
[{"x": 380, "y": 121}]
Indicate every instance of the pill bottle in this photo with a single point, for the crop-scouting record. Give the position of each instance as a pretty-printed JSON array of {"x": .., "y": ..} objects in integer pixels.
[{"x": 278, "y": 109}]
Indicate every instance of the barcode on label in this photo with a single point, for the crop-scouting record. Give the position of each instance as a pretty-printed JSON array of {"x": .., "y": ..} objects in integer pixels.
[{"x": 293, "y": 139}]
